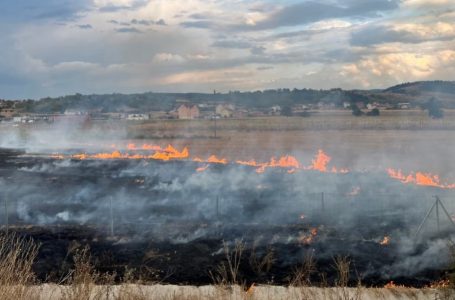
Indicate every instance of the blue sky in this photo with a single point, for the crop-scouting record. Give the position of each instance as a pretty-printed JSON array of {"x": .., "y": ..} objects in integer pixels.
[{"x": 58, "y": 47}]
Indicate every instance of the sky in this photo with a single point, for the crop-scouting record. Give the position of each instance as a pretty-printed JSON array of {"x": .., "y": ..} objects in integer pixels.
[{"x": 60, "y": 47}]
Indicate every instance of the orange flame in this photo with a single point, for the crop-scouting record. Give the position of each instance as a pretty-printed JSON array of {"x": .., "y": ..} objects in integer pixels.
[
  {"x": 250, "y": 163},
  {"x": 166, "y": 154},
  {"x": 419, "y": 178},
  {"x": 202, "y": 169},
  {"x": 214, "y": 160},
  {"x": 211, "y": 160},
  {"x": 385, "y": 241},
  {"x": 443, "y": 283},
  {"x": 170, "y": 153},
  {"x": 287, "y": 161},
  {"x": 307, "y": 239},
  {"x": 320, "y": 162},
  {"x": 392, "y": 285}
]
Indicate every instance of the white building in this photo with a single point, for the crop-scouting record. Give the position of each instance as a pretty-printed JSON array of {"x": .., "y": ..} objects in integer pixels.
[{"x": 138, "y": 117}]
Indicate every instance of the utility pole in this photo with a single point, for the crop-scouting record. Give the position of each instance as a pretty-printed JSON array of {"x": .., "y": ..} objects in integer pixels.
[
  {"x": 217, "y": 207},
  {"x": 214, "y": 128},
  {"x": 6, "y": 213},
  {"x": 437, "y": 213}
]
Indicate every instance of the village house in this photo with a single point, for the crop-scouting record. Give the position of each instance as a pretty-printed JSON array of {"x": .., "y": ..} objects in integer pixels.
[
  {"x": 225, "y": 110},
  {"x": 188, "y": 111},
  {"x": 74, "y": 112},
  {"x": 300, "y": 109},
  {"x": 404, "y": 105},
  {"x": 371, "y": 106},
  {"x": 137, "y": 117},
  {"x": 275, "y": 110}
]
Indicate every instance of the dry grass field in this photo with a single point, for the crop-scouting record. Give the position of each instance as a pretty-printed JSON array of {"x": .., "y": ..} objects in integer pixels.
[
  {"x": 406, "y": 139},
  {"x": 400, "y": 139},
  {"x": 173, "y": 292}
]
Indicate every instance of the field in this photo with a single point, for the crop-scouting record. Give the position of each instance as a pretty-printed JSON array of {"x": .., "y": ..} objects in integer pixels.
[
  {"x": 400, "y": 139},
  {"x": 158, "y": 210}
]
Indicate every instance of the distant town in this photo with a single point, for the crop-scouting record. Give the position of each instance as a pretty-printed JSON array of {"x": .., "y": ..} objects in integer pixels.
[{"x": 283, "y": 102}]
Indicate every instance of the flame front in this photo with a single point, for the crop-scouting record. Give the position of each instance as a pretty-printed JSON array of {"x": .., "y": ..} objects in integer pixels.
[
  {"x": 419, "y": 178},
  {"x": 290, "y": 163}
]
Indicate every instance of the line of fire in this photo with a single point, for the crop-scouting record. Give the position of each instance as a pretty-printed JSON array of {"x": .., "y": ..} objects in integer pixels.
[{"x": 155, "y": 207}]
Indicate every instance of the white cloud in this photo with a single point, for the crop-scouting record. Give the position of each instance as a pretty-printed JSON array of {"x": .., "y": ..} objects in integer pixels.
[
  {"x": 318, "y": 54},
  {"x": 103, "y": 3}
]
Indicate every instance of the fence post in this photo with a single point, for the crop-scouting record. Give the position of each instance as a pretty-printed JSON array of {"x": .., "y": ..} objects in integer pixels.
[
  {"x": 111, "y": 217},
  {"x": 217, "y": 207},
  {"x": 6, "y": 212}
]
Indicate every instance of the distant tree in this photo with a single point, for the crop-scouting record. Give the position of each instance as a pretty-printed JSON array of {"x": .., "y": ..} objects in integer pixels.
[
  {"x": 286, "y": 111},
  {"x": 434, "y": 109},
  {"x": 374, "y": 112},
  {"x": 356, "y": 111}
]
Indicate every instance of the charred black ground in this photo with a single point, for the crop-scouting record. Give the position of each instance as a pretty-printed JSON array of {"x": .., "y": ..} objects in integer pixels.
[{"x": 169, "y": 222}]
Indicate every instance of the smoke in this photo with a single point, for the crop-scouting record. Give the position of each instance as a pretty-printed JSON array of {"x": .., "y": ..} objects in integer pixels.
[{"x": 172, "y": 202}]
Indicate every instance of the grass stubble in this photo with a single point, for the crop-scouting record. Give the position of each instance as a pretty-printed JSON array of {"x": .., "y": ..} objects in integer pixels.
[{"x": 84, "y": 282}]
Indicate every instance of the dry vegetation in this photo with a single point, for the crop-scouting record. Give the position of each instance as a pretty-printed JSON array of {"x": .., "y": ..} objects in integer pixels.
[
  {"x": 17, "y": 280},
  {"x": 16, "y": 261},
  {"x": 323, "y": 120}
]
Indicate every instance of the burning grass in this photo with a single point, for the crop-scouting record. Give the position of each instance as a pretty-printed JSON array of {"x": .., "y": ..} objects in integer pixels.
[{"x": 320, "y": 163}]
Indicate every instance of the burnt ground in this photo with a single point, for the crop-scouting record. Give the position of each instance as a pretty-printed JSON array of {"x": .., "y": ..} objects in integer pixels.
[
  {"x": 191, "y": 262},
  {"x": 169, "y": 222}
]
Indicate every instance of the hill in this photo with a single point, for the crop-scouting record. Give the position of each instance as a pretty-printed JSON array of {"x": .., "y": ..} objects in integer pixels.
[
  {"x": 418, "y": 87},
  {"x": 416, "y": 93}
]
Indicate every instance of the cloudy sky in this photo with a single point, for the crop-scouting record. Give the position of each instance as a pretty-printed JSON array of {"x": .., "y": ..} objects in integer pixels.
[{"x": 58, "y": 47}]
